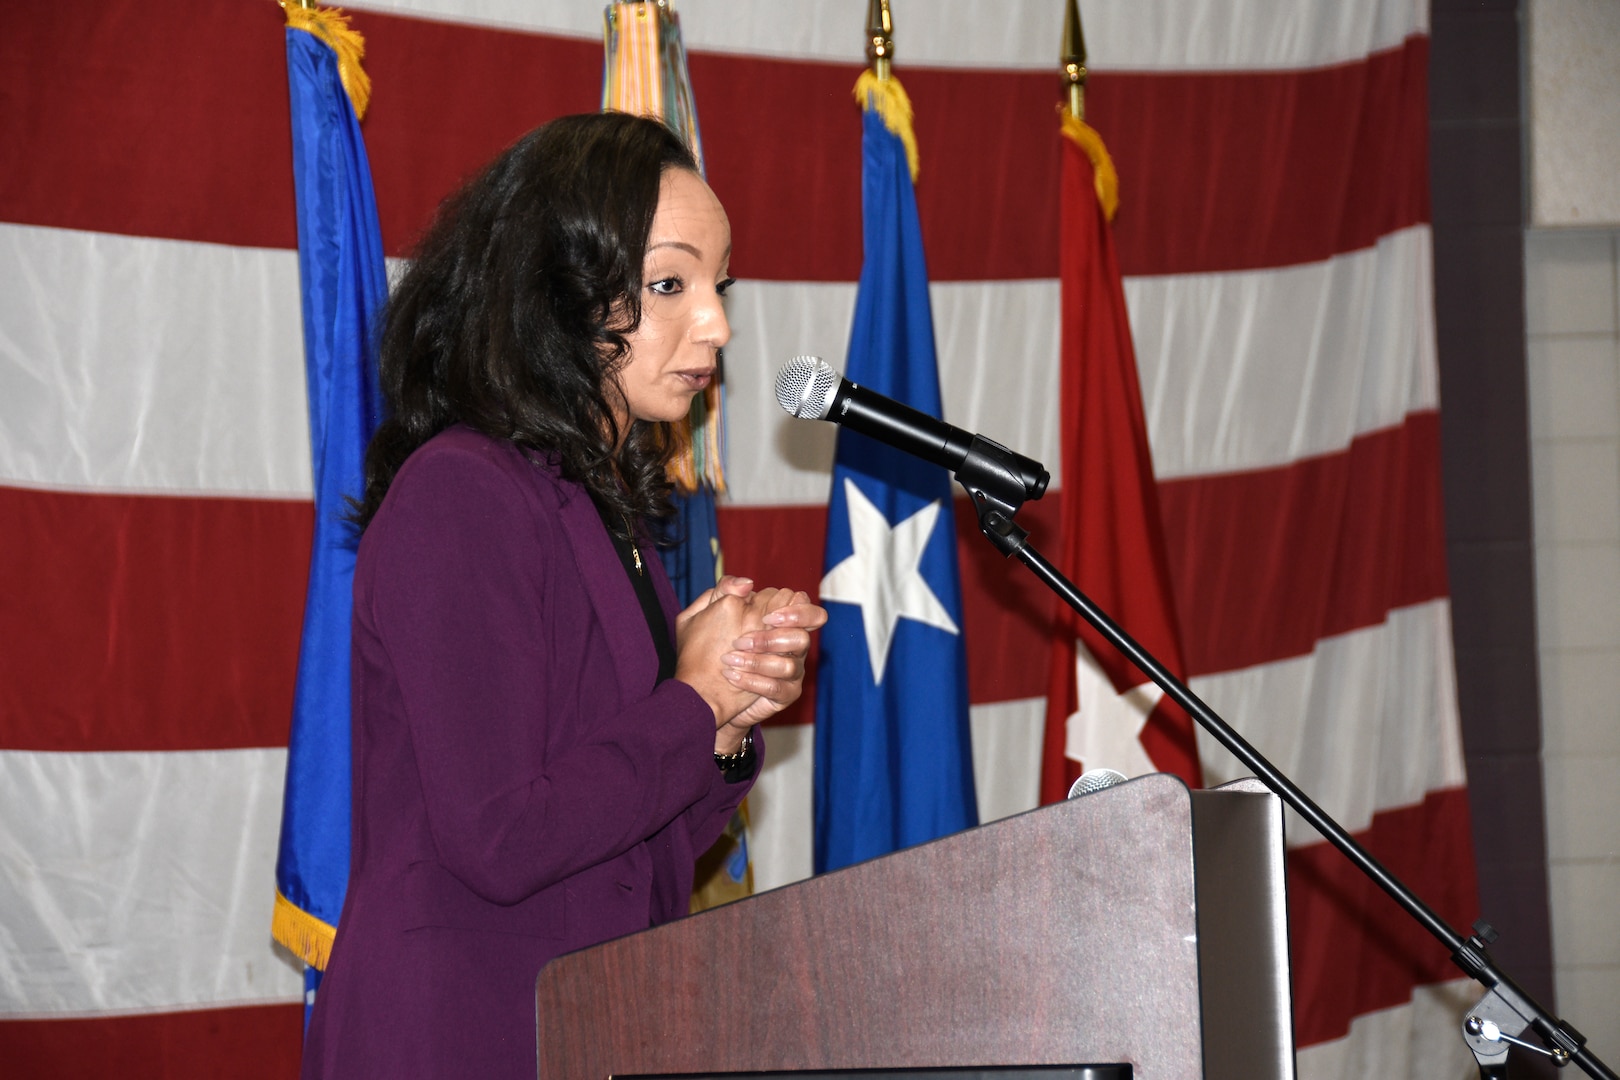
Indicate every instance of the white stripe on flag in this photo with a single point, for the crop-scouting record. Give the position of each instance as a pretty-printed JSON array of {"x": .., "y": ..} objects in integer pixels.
[
  {"x": 134, "y": 882},
  {"x": 1272, "y": 365},
  {"x": 1366, "y": 723},
  {"x": 1007, "y": 756},
  {"x": 1383, "y": 698},
  {"x": 136, "y": 365},
  {"x": 779, "y": 820},
  {"x": 1006, "y": 769},
  {"x": 193, "y": 382},
  {"x": 1420, "y": 1038},
  {"x": 1261, "y": 368},
  {"x": 1168, "y": 35},
  {"x": 996, "y": 344},
  {"x": 168, "y": 854}
]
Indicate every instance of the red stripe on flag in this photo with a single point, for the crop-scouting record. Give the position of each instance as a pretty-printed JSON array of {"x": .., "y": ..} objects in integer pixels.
[
  {"x": 243, "y": 1044},
  {"x": 1353, "y": 950},
  {"x": 1005, "y": 610},
  {"x": 172, "y": 623},
  {"x": 1265, "y": 563},
  {"x": 139, "y": 623},
  {"x": 1283, "y": 153},
  {"x": 449, "y": 97},
  {"x": 1293, "y": 149},
  {"x": 1268, "y": 562},
  {"x": 125, "y": 131},
  {"x": 128, "y": 128}
]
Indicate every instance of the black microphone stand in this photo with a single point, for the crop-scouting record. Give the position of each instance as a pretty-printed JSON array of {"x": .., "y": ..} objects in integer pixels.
[{"x": 990, "y": 475}]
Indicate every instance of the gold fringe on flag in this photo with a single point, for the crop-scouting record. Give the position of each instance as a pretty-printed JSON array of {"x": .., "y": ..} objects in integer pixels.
[
  {"x": 309, "y": 938},
  {"x": 713, "y": 884},
  {"x": 888, "y": 97},
  {"x": 332, "y": 27},
  {"x": 1105, "y": 179},
  {"x": 645, "y": 74}
]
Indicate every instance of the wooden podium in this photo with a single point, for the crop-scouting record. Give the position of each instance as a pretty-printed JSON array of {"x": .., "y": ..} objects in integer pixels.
[{"x": 1142, "y": 924}]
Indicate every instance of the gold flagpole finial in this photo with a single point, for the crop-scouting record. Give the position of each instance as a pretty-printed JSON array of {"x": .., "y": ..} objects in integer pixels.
[
  {"x": 878, "y": 88},
  {"x": 879, "y": 37},
  {"x": 1074, "y": 60}
]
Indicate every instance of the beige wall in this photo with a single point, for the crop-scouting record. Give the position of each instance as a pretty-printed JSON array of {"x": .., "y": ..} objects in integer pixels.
[
  {"x": 1572, "y": 309},
  {"x": 1572, "y": 302},
  {"x": 1572, "y": 102}
]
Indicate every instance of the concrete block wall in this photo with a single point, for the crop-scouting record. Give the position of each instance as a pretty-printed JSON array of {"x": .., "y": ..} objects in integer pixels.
[{"x": 1572, "y": 309}]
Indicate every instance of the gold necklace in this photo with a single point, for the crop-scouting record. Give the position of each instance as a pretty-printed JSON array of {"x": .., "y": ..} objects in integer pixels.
[{"x": 635, "y": 548}]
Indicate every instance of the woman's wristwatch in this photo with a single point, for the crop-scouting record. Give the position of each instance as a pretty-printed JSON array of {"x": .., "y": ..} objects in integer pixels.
[{"x": 738, "y": 757}]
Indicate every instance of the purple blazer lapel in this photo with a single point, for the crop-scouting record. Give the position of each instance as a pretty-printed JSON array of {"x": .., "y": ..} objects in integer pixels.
[{"x": 611, "y": 595}]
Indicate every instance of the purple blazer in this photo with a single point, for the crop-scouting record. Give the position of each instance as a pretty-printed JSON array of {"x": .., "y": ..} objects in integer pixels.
[{"x": 521, "y": 786}]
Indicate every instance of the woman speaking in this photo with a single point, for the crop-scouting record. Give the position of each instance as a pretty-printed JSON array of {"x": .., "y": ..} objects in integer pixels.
[{"x": 542, "y": 746}]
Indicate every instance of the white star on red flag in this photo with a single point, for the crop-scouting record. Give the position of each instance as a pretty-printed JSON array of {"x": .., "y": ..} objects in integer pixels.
[{"x": 1106, "y": 731}]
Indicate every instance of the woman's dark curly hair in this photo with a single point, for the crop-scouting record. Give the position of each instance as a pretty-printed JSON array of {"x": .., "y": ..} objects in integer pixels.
[{"x": 513, "y": 316}]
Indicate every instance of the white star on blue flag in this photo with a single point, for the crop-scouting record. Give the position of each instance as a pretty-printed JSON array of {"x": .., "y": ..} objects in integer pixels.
[{"x": 883, "y": 574}]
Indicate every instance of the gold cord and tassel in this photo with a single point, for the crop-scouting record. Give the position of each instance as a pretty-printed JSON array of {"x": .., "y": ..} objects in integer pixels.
[
  {"x": 1073, "y": 111},
  {"x": 331, "y": 25},
  {"x": 1104, "y": 178},
  {"x": 885, "y": 95}
]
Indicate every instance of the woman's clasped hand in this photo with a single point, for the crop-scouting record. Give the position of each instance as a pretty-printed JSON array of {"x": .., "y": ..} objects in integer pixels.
[{"x": 743, "y": 651}]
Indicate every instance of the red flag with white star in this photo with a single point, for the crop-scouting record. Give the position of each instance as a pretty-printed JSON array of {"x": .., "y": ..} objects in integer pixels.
[{"x": 1101, "y": 710}]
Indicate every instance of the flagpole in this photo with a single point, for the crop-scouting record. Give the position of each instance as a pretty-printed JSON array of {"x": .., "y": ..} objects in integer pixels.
[
  {"x": 1074, "y": 60},
  {"x": 879, "y": 38}
]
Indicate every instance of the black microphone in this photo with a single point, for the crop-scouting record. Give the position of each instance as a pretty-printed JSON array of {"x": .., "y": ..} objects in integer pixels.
[{"x": 808, "y": 387}]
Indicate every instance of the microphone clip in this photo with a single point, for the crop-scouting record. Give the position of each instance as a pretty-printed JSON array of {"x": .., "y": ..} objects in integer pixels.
[{"x": 998, "y": 488}]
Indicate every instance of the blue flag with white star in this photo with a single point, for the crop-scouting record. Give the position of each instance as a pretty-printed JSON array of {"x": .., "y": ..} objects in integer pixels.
[{"x": 893, "y": 760}]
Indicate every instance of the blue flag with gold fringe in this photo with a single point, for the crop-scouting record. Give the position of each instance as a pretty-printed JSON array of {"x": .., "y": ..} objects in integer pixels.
[
  {"x": 343, "y": 286},
  {"x": 893, "y": 757}
]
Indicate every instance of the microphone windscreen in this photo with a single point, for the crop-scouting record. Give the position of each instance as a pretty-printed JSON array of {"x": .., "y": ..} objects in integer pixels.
[
  {"x": 1095, "y": 780},
  {"x": 805, "y": 387}
]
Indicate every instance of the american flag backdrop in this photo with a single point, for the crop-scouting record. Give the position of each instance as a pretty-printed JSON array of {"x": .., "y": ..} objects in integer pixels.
[{"x": 155, "y": 487}]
